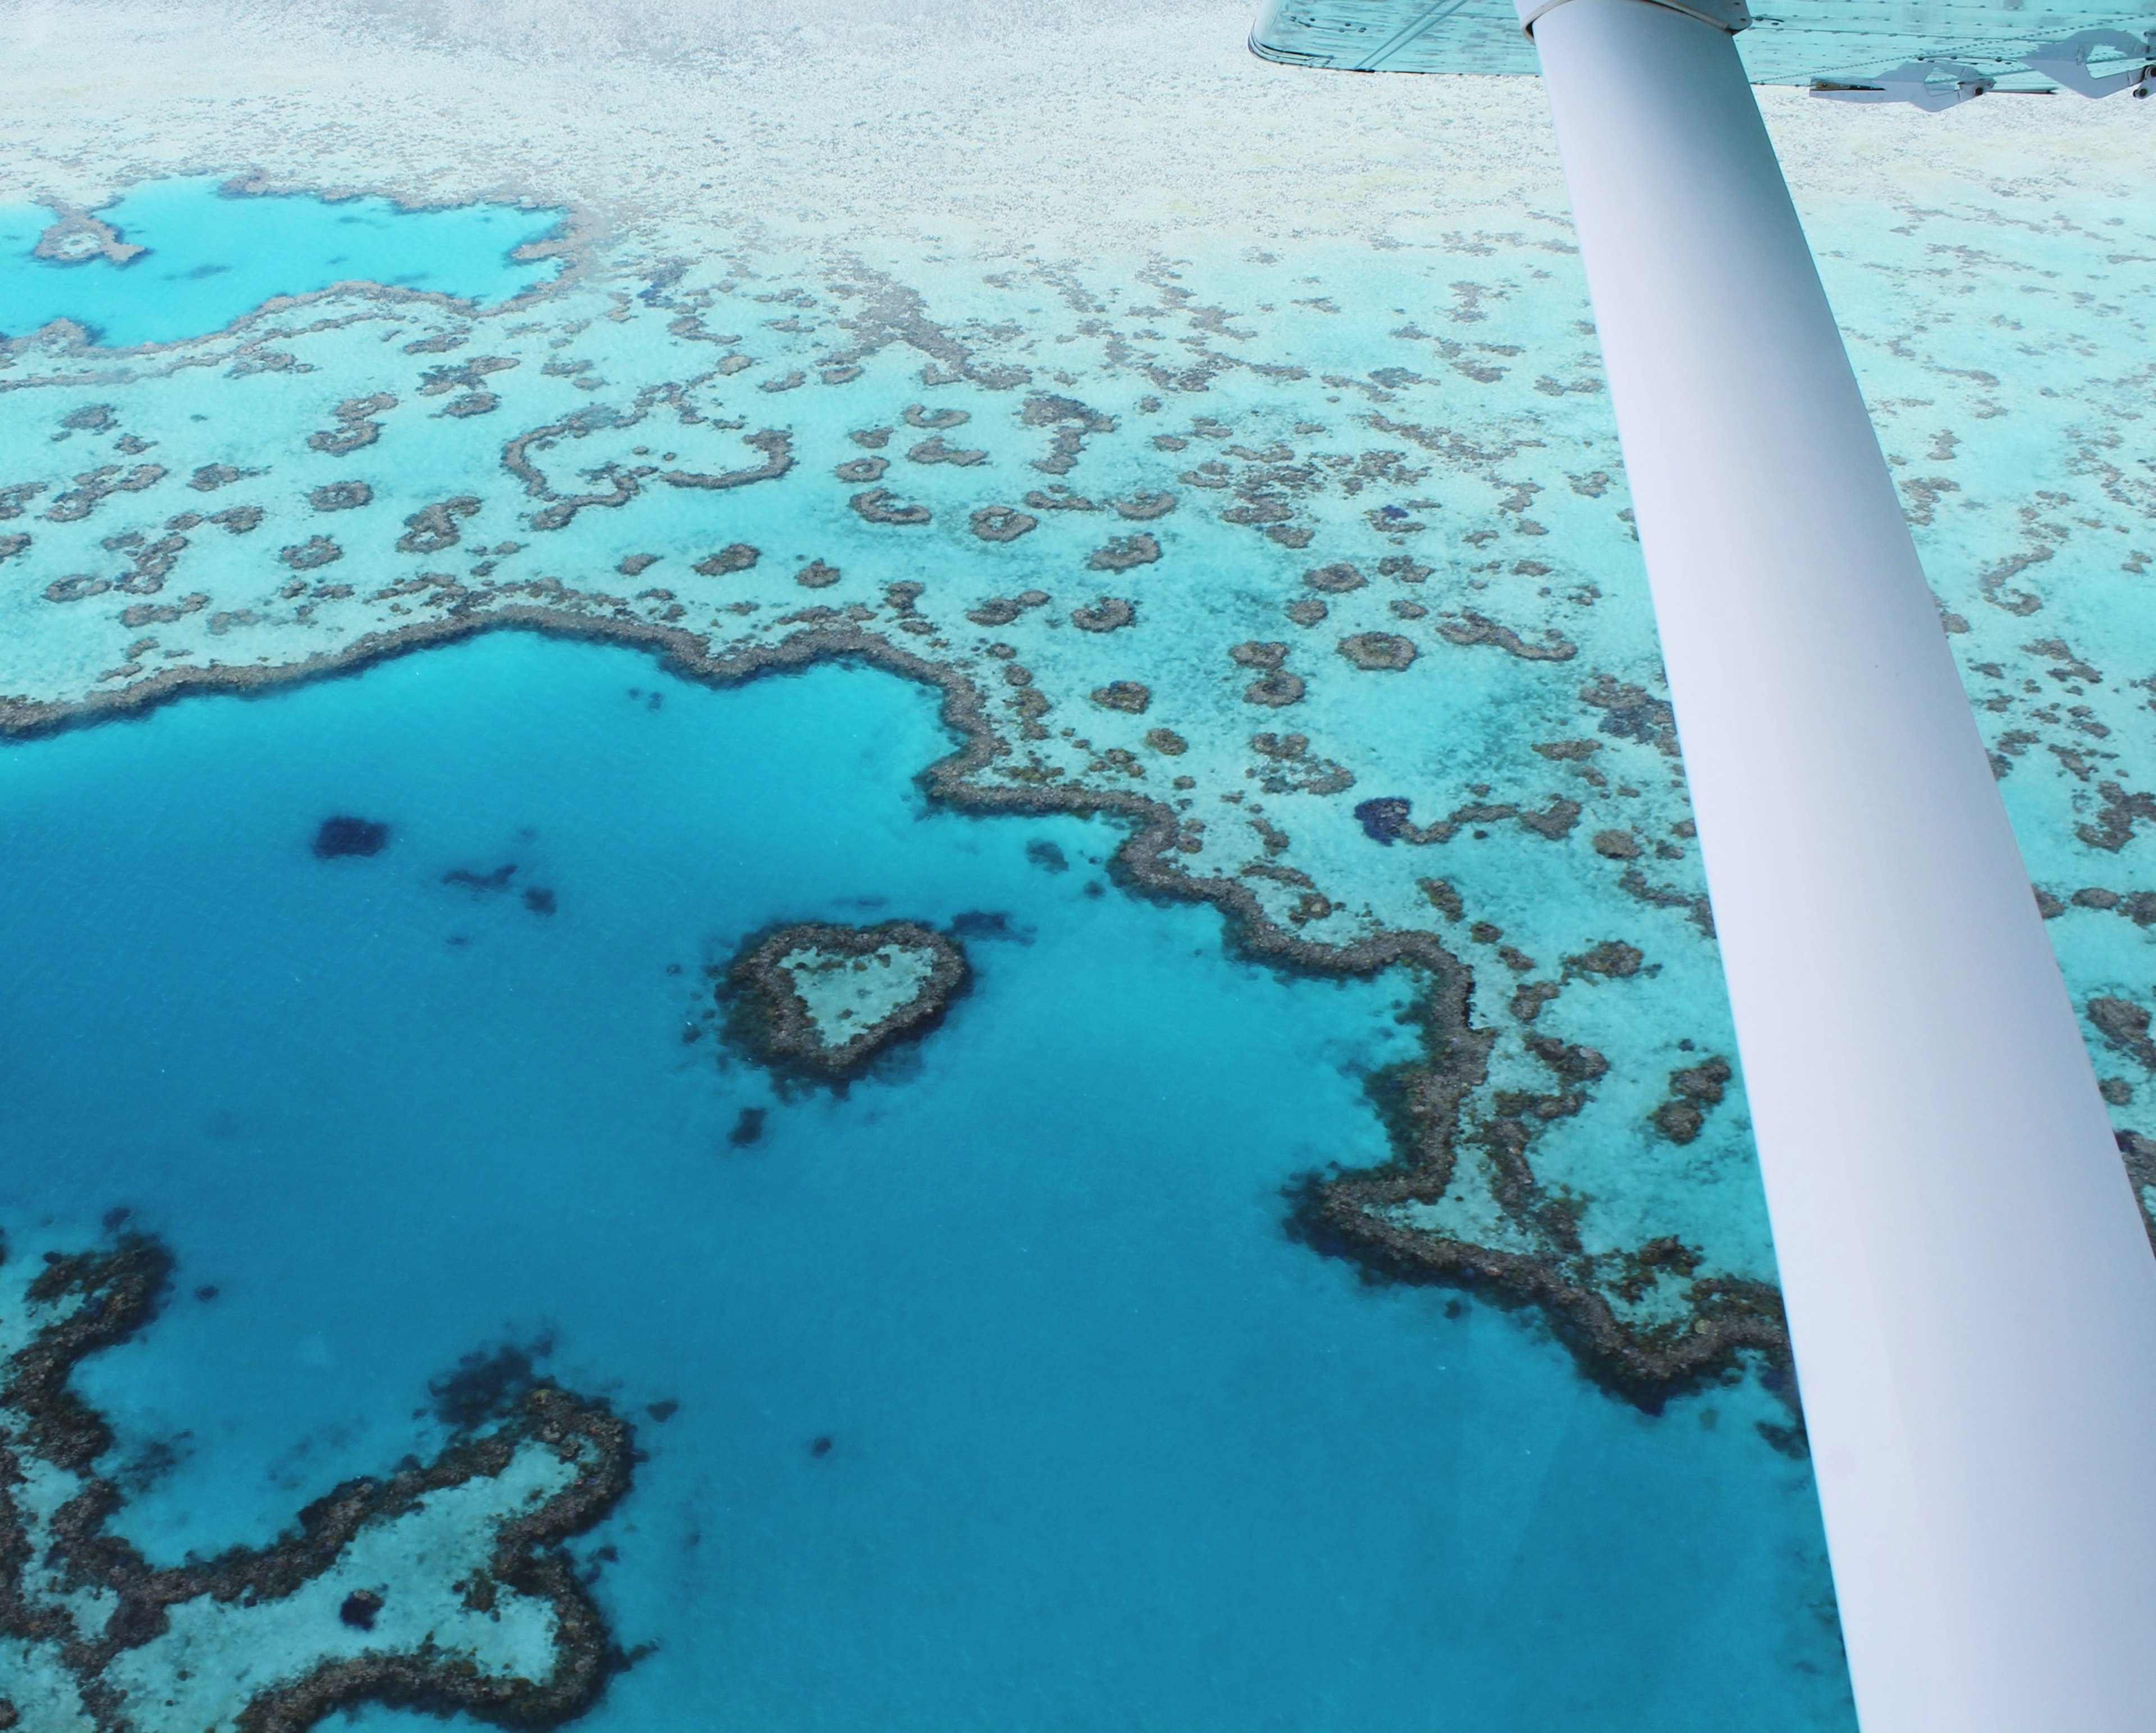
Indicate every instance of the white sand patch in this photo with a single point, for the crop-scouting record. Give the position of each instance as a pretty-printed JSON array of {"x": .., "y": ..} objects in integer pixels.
[{"x": 1006, "y": 126}]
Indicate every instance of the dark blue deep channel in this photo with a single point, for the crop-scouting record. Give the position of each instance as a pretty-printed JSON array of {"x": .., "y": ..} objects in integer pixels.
[{"x": 1106, "y": 1449}]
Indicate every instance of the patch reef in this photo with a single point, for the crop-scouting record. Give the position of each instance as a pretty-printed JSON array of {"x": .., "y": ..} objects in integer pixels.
[
  {"x": 442, "y": 1587},
  {"x": 822, "y": 1001}
]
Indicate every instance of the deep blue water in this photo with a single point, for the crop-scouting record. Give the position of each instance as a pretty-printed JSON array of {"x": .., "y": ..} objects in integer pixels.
[
  {"x": 1108, "y": 1451},
  {"x": 213, "y": 256}
]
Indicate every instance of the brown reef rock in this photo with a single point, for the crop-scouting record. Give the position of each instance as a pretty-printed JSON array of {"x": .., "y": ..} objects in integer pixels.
[
  {"x": 820, "y": 1002},
  {"x": 98, "y": 1618}
]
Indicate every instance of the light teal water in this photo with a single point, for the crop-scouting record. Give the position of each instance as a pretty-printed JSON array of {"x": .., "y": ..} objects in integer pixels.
[{"x": 213, "y": 255}]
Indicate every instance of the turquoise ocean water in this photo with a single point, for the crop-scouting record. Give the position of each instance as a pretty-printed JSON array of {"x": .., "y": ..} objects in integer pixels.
[
  {"x": 1106, "y": 1449},
  {"x": 993, "y": 1392}
]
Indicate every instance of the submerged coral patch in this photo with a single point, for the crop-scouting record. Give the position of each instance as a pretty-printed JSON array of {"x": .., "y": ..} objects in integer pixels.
[
  {"x": 1378, "y": 651},
  {"x": 822, "y": 1000},
  {"x": 1000, "y": 523},
  {"x": 1110, "y": 613},
  {"x": 344, "y": 834},
  {"x": 1122, "y": 552}
]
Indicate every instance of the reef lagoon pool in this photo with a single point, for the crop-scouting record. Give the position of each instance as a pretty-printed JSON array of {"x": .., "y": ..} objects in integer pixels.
[
  {"x": 988, "y": 1393},
  {"x": 183, "y": 257}
]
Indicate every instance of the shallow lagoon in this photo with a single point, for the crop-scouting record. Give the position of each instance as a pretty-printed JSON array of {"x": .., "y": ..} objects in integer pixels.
[
  {"x": 214, "y": 253},
  {"x": 1107, "y": 1449}
]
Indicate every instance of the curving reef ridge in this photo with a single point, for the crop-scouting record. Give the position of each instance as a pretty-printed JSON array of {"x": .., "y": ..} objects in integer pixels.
[{"x": 443, "y": 1588}]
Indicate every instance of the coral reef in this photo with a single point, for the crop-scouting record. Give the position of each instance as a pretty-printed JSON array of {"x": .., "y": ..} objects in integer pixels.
[
  {"x": 1424, "y": 531},
  {"x": 442, "y": 1587},
  {"x": 1382, "y": 1219},
  {"x": 822, "y": 1001},
  {"x": 75, "y": 237}
]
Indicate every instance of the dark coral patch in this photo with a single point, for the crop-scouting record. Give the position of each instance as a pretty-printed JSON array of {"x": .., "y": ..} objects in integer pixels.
[
  {"x": 1384, "y": 819},
  {"x": 1132, "y": 696},
  {"x": 344, "y": 834},
  {"x": 433, "y": 529},
  {"x": 1003, "y": 523},
  {"x": 734, "y": 556},
  {"x": 1121, "y": 553},
  {"x": 878, "y": 506},
  {"x": 768, "y": 1018},
  {"x": 485, "y": 1386},
  {"x": 312, "y": 554},
  {"x": 1378, "y": 651},
  {"x": 1110, "y": 613},
  {"x": 1276, "y": 688}
]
